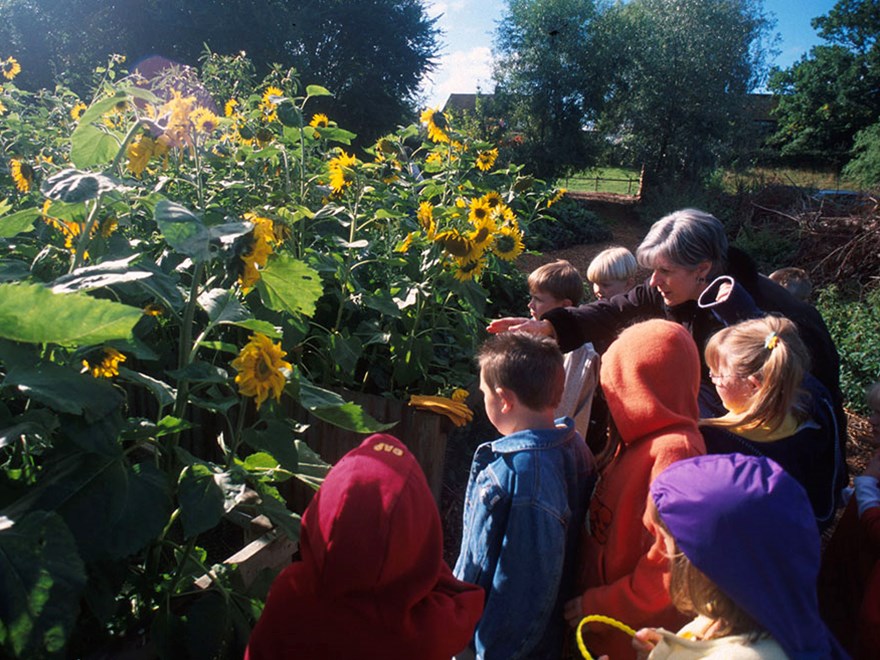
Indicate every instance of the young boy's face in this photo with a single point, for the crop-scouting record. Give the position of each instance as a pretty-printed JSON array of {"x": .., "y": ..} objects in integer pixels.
[
  {"x": 605, "y": 290},
  {"x": 541, "y": 302}
]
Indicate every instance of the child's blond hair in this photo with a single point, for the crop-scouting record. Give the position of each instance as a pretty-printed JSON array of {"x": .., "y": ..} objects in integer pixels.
[
  {"x": 528, "y": 365},
  {"x": 613, "y": 264},
  {"x": 771, "y": 350},
  {"x": 559, "y": 279}
]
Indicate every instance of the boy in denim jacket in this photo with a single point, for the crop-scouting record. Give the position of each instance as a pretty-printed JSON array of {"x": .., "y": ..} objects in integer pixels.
[{"x": 526, "y": 499}]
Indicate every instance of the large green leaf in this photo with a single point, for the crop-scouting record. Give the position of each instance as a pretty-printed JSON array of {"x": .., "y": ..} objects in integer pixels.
[
  {"x": 312, "y": 468},
  {"x": 41, "y": 579},
  {"x": 113, "y": 509},
  {"x": 205, "y": 492},
  {"x": 276, "y": 438},
  {"x": 184, "y": 230},
  {"x": 107, "y": 273},
  {"x": 31, "y": 313},
  {"x": 92, "y": 143},
  {"x": 65, "y": 390},
  {"x": 75, "y": 186},
  {"x": 332, "y": 408},
  {"x": 223, "y": 306},
  {"x": 18, "y": 223},
  {"x": 289, "y": 285}
]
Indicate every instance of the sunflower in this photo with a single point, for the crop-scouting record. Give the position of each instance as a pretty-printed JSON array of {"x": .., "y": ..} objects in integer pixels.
[
  {"x": 261, "y": 369},
  {"x": 404, "y": 245},
  {"x": 108, "y": 366},
  {"x": 2, "y": 109},
  {"x": 486, "y": 159},
  {"x": 455, "y": 243},
  {"x": 508, "y": 243},
  {"x": 468, "y": 269},
  {"x": 140, "y": 150},
  {"x": 556, "y": 197},
  {"x": 204, "y": 120},
  {"x": 479, "y": 211},
  {"x": 341, "y": 172},
  {"x": 434, "y": 158},
  {"x": 77, "y": 110},
  {"x": 437, "y": 125},
  {"x": 10, "y": 68},
  {"x": 319, "y": 120},
  {"x": 153, "y": 310},
  {"x": 22, "y": 174},
  {"x": 269, "y": 103},
  {"x": 483, "y": 233},
  {"x": 425, "y": 216},
  {"x": 258, "y": 256},
  {"x": 229, "y": 108}
]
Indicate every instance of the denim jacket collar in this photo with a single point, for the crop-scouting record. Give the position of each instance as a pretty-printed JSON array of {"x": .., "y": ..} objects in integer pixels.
[{"x": 534, "y": 439}]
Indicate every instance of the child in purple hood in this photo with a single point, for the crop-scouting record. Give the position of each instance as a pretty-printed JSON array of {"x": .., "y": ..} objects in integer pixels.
[{"x": 744, "y": 550}]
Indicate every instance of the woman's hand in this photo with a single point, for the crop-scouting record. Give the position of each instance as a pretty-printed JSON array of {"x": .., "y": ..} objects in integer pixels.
[
  {"x": 521, "y": 324},
  {"x": 645, "y": 641},
  {"x": 574, "y": 611}
]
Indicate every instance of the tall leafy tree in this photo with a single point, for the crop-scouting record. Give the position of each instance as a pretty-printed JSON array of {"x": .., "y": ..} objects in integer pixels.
[
  {"x": 679, "y": 88},
  {"x": 371, "y": 53},
  {"x": 548, "y": 78},
  {"x": 833, "y": 92}
]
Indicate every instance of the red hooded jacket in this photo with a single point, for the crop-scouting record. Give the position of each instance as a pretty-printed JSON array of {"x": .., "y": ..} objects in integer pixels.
[
  {"x": 371, "y": 581},
  {"x": 650, "y": 376}
]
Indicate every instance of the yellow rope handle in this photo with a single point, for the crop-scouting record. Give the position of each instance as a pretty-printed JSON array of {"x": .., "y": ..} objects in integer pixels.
[{"x": 598, "y": 618}]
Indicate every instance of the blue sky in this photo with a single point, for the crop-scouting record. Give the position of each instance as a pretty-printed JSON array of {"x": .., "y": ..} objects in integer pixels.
[{"x": 469, "y": 25}]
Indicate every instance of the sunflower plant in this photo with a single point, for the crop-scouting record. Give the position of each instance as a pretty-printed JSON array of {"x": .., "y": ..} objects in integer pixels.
[{"x": 183, "y": 274}]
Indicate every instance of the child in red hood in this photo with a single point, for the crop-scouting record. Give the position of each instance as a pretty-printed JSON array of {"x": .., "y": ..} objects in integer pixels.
[{"x": 371, "y": 581}]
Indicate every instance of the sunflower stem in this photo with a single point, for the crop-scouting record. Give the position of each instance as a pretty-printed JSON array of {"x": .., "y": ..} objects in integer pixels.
[{"x": 83, "y": 243}]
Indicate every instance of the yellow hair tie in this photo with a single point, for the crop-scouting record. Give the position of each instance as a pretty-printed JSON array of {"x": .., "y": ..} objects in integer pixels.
[
  {"x": 598, "y": 618},
  {"x": 771, "y": 341}
]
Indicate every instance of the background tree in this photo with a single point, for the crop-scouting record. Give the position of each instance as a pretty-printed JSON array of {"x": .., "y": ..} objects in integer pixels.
[
  {"x": 548, "y": 80},
  {"x": 681, "y": 73},
  {"x": 371, "y": 53},
  {"x": 833, "y": 92}
]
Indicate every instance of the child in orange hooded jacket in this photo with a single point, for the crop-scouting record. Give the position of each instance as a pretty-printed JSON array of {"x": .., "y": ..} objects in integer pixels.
[{"x": 651, "y": 377}]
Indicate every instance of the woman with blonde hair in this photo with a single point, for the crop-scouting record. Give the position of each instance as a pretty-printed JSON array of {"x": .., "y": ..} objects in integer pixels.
[{"x": 775, "y": 408}]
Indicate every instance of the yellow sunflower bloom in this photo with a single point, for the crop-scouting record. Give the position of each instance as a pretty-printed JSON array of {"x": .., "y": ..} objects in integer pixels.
[
  {"x": 486, "y": 160},
  {"x": 10, "y": 68},
  {"x": 261, "y": 369},
  {"x": 204, "y": 120},
  {"x": 140, "y": 150},
  {"x": 468, "y": 269},
  {"x": 153, "y": 310},
  {"x": 108, "y": 367},
  {"x": 437, "y": 125},
  {"x": 425, "y": 216},
  {"x": 2, "y": 109},
  {"x": 77, "y": 110},
  {"x": 459, "y": 394},
  {"x": 483, "y": 233},
  {"x": 404, "y": 245},
  {"x": 434, "y": 158},
  {"x": 229, "y": 107},
  {"x": 479, "y": 211},
  {"x": 341, "y": 171},
  {"x": 22, "y": 174},
  {"x": 556, "y": 197},
  {"x": 269, "y": 103},
  {"x": 455, "y": 243},
  {"x": 258, "y": 256},
  {"x": 508, "y": 243},
  {"x": 319, "y": 120}
]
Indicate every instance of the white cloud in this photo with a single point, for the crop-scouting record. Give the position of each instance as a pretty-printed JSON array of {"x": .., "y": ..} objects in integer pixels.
[{"x": 460, "y": 72}]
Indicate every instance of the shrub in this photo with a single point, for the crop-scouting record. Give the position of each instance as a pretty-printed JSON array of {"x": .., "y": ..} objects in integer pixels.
[
  {"x": 569, "y": 224},
  {"x": 855, "y": 327}
]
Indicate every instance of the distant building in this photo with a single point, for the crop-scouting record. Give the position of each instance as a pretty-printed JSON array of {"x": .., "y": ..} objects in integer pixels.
[{"x": 462, "y": 102}]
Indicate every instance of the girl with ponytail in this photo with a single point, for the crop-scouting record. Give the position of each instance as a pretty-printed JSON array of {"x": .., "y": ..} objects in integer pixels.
[{"x": 775, "y": 408}]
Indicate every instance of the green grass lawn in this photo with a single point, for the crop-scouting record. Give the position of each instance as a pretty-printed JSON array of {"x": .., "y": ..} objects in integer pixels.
[
  {"x": 622, "y": 181},
  {"x": 786, "y": 176}
]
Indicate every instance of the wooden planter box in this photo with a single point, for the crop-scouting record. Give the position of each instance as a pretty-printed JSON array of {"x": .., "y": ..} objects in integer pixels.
[{"x": 424, "y": 433}]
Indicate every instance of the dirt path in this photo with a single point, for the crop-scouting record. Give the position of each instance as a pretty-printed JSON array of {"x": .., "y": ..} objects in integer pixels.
[{"x": 626, "y": 228}]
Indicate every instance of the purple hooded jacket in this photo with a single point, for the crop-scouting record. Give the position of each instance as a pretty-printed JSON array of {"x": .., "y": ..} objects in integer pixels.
[{"x": 749, "y": 527}]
